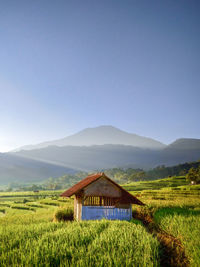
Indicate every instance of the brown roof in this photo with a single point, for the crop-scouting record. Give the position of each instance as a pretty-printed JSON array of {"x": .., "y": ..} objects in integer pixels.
[
  {"x": 126, "y": 196},
  {"x": 80, "y": 185}
]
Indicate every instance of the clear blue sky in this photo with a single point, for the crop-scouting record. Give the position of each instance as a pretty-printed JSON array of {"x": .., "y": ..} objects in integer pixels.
[{"x": 68, "y": 65}]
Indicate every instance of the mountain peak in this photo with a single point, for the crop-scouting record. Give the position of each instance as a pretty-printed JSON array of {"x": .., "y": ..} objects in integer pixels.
[
  {"x": 102, "y": 128},
  {"x": 101, "y": 135}
]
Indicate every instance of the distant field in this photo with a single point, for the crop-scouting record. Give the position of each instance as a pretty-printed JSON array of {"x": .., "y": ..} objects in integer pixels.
[
  {"x": 30, "y": 237},
  {"x": 164, "y": 189},
  {"x": 156, "y": 184},
  {"x": 30, "y": 194}
]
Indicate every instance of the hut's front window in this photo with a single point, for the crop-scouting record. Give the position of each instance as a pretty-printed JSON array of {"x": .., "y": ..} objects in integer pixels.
[{"x": 100, "y": 201}]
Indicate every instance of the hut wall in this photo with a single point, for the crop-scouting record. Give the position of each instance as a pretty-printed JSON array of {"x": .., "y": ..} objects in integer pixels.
[
  {"x": 102, "y": 199},
  {"x": 110, "y": 213},
  {"x": 123, "y": 206},
  {"x": 102, "y": 187}
]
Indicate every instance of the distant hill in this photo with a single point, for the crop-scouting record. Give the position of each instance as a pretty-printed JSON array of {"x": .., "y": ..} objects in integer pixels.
[
  {"x": 15, "y": 168},
  {"x": 93, "y": 157},
  {"x": 110, "y": 156},
  {"x": 185, "y": 144},
  {"x": 100, "y": 136},
  {"x": 178, "y": 170},
  {"x": 45, "y": 160}
]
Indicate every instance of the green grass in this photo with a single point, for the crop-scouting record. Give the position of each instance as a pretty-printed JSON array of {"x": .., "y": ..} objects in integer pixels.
[
  {"x": 29, "y": 237},
  {"x": 184, "y": 223},
  {"x": 34, "y": 240},
  {"x": 176, "y": 207},
  {"x": 177, "y": 211},
  {"x": 2, "y": 210}
]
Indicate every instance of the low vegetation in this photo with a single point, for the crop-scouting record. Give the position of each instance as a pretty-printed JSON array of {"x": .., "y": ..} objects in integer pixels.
[
  {"x": 62, "y": 214},
  {"x": 33, "y": 240},
  {"x": 36, "y": 229}
]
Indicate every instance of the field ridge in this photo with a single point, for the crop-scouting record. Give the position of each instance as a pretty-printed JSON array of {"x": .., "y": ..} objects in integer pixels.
[{"x": 173, "y": 251}]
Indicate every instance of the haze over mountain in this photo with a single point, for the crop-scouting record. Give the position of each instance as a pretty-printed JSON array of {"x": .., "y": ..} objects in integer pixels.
[
  {"x": 100, "y": 136},
  {"x": 15, "y": 168},
  {"x": 55, "y": 158},
  {"x": 108, "y": 156},
  {"x": 185, "y": 143}
]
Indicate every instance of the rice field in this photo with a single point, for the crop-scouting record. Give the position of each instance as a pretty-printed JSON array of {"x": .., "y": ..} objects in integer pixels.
[
  {"x": 184, "y": 223},
  {"x": 29, "y": 236}
]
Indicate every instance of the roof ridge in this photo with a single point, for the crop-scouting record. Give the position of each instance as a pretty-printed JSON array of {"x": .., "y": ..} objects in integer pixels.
[{"x": 100, "y": 173}]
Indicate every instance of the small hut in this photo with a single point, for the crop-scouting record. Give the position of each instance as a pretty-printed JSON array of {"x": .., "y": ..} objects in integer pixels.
[{"x": 97, "y": 197}]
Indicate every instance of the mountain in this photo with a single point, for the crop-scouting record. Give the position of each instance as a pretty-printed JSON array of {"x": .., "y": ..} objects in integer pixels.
[
  {"x": 181, "y": 151},
  {"x": 45, "y": 160},
  {"x": 100, "y": 136},
  {"x": 92, "y": 157},
  {"x": 185, "y": 144},
  {"x": 109, "y": 156},
  {"x": 15, "y": 168}
]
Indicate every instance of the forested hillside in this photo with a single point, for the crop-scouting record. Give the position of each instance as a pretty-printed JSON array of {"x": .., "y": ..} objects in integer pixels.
[{"x": 120, "y": 175}]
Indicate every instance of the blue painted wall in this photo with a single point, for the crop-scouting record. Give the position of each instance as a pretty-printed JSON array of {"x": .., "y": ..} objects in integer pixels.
[{"x": 110, "y": 213}]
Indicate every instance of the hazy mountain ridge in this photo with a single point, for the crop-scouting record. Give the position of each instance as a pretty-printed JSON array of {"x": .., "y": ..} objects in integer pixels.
[
  {"x": 101, "y": 135},
  {"x": 185, "y": 143},
  {"x": 14, "y": 168},
  {"x": 109, "y": 156},
  {"x": 54, "y": 160}
]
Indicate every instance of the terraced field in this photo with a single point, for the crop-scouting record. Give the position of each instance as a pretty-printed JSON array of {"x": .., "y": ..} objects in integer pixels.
[
  {"x": 183, "y": 222},
  {"x": 30, "y": 236},
  {"x": 175, "y": 207}
]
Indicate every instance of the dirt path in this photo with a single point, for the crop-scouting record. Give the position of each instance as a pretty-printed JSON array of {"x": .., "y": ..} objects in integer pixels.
[{"x": 173, "y": 252}]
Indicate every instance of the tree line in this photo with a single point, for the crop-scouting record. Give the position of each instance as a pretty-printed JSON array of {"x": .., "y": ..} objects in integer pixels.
[{"x": 120, "y": 175}]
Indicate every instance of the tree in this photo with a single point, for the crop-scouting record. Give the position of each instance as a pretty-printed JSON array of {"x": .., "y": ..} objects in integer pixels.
[
  {"x": 193, "y": 175},
  {"x": 137, "y": 176},
  {"x": 183, "y": 172}
]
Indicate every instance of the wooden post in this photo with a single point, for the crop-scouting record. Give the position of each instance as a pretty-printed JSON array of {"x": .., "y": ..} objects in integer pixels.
[
  {"x": 79, "y": 207},
  {"x": 75, "y": 207},
  {"x": 100, "y": 201},
  {"x": 130, "y": 211}
]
